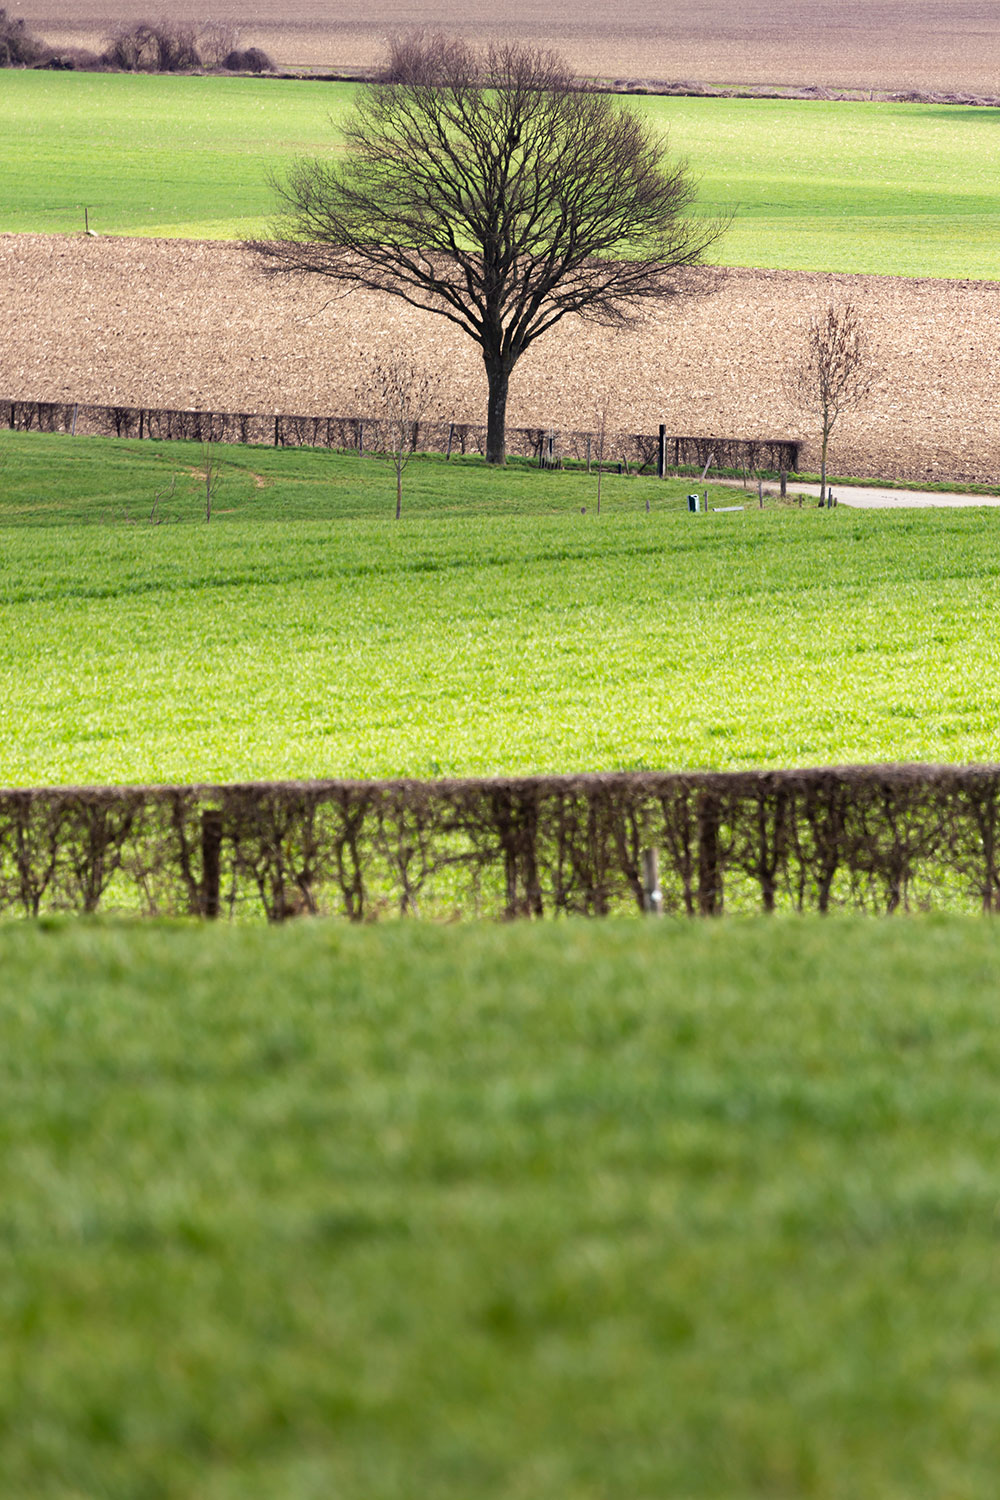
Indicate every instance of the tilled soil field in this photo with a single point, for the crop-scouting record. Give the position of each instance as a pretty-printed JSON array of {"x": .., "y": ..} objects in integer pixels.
[
  {"x": 179, "y": 323},
  {"x": 881, "y": 44}
]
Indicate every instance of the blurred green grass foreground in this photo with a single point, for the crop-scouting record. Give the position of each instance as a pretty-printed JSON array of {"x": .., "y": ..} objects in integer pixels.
[{"x": 577, "y": 1210}]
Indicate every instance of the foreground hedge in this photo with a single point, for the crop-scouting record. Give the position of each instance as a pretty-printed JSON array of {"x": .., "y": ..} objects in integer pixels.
[{"x": 878, "y": 838}]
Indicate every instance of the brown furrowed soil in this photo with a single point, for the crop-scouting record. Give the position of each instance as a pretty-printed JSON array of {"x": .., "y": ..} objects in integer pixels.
[
  {"x": 926, "y": 45},
  {"x": 193, "y": 324}
]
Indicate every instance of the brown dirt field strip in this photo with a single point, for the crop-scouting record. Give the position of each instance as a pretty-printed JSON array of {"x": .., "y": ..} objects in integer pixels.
[
  {"x": 893, "y": 44},
  {"x": 193, "y": 324}
]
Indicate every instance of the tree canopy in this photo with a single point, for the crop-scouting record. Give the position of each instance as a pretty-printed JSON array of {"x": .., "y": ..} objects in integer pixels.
[{"x": 493, "y": 188}]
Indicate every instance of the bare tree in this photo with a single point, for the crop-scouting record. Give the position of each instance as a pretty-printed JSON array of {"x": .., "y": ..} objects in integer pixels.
[
  {"x": 396, "y": 394},
  {"x": 209, "y": 475},
  {"x": 216, "y": 40},
  {"x": 152, "y": 47},
  {"x": 156, "y": 517},
  {"x": 605, "y": 434},
  {"x": 493, "y": 188},
  {"x": 833, "y": 371},
  {"x": 19, "y": 46}
]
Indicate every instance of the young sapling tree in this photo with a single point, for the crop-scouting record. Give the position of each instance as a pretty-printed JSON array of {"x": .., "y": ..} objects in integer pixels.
[
  {"x": 394, "y": 397},
  {"x": 833, "y": 371},
  {"x": 210, "y": 476}
]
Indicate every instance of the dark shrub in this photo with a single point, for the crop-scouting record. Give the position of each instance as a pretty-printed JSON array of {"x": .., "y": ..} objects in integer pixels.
[
  {"x": 248, "y": 60},
  {"x": 420, "y": 57},
  {"x": 144, "y": 47},
  {"x": 19, "y": 47},
  {"x": 74, "y": 59}
]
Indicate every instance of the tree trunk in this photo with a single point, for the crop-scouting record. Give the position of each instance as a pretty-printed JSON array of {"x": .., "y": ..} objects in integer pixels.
[
  {"x": 497, "y": 379},
  {"x": 822, "y": 467},
  {"x": 399, "y": 491}
]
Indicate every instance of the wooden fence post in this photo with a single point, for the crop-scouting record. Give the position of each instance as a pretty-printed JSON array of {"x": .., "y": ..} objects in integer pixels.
[
  {"x": 211, "y": 862},
  {"x": 709, "y": 879}
]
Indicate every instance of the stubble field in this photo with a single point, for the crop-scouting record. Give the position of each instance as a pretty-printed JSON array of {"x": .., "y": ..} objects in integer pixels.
[{"x": 881, "y": 44}]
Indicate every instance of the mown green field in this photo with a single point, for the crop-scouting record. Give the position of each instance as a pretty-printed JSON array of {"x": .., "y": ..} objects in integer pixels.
[
  {"x": 893, "y": 189},
  {"x": 581, "y": 1211},
  {"x": 500, "y": 627}
]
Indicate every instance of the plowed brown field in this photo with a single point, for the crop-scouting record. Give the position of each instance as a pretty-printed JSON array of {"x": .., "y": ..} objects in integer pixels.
[
  {"x": 893, "y": 44},
  {"x": 193, "y": 324}
]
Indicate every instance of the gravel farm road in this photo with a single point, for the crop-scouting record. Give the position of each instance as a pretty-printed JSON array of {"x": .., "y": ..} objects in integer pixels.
[{"x": 864, "y": 497}]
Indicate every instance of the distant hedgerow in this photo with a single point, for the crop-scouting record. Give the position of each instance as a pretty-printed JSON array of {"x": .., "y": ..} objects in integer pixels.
[{"x": 137, "y": 47}]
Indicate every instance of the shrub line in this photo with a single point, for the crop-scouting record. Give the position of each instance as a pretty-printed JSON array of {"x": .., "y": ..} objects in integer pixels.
[{"x": 880, "y": 838}]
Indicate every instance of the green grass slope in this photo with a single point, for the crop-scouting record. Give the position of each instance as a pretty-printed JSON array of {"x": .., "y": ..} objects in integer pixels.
[
  {"x": 875, "y": 189},
  {"x": 502, "y": 626},
  {"x": 148, "y": 157},
  {"x": 579, "y": 1211},
  {"x": 888, "y": 189}
]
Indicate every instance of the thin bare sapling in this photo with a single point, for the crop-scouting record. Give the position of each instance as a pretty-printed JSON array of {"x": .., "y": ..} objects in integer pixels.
[
  {"x": 209, "y": 476},
  {"x": 606, "y": 435},
  {"x": 832, "y": 371},
  {"x": 394, "y": 396}
]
